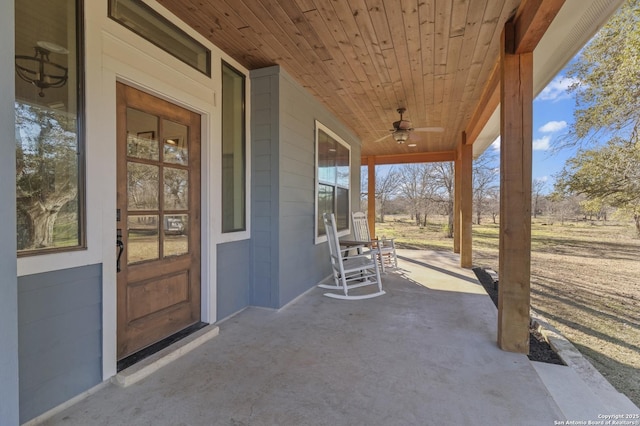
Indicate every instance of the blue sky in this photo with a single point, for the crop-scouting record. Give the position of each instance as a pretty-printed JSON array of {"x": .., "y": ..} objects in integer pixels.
[{"x": 552, "y": 116}]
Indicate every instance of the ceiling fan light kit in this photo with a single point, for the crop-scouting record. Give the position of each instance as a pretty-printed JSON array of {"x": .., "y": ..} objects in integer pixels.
[
  {"x": 402, "y": 129},
  {"x": 401, "y": 135}
]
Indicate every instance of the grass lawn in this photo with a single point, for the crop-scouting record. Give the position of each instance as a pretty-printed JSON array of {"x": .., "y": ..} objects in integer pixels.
[{"x": 585, "y": 279}]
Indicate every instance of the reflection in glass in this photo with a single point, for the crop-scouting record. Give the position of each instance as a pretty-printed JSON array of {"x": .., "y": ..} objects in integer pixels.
[
  {"x": 48, "y": 125},
  {"x": 176, "y": 237},
  {"x": 326, "y": 158},
  {"x": 142, "y": 238},
  {"x": 342, "y": 165},
  {"x": 149, "y": 24},
  {"x": 176, "y": 189},
  {"x": 233, "y": 150},
  {"x": 142, "y": 131},
  {"x": 142, "y": 181},
  {"x": 333, "y": 180},
  {"x": 342, "y": 208},
  {"x": 175, "y": 139},
  {"x": 325, "y": 205}
]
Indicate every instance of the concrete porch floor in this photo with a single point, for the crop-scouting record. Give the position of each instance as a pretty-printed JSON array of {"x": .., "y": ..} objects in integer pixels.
[{"x": 423, "y": 354}]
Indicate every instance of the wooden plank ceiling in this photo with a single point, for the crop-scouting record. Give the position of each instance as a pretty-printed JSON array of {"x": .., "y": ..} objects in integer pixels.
[{"x": 365, "y": 58}]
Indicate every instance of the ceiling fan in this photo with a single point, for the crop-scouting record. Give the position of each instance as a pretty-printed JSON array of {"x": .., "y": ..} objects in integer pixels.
[{"x": 402, "y": 128}]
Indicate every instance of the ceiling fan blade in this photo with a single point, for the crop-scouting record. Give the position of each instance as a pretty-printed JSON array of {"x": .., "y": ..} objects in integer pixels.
[
  {"x": 384, "y": 137},
  {"x": 428, "y": 129}
]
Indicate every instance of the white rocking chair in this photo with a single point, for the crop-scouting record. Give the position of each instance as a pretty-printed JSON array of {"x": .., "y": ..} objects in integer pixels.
[
  {"x": 350, "y": 271},
  {"x": 386, "y": 247}
]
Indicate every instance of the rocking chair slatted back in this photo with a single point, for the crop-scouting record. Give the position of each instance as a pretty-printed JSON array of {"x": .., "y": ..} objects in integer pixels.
[
  {"x": 350, "y": 271},
  {"x": 385, "y": 246}
]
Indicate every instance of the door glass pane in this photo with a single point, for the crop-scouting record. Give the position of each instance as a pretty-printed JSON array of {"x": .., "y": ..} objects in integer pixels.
[
  {"x": 143, "y": 238},
  {"x": 176, "y": 237},
  {"x": 142, "y": 181},
  {"x": 142, "y": 132},
  {"x": 175, "y": 140},
  {"x": 176, "y": 189}
]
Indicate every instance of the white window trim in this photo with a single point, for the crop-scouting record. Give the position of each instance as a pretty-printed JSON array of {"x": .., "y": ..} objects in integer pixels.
[{"x": 332, "y": 134}]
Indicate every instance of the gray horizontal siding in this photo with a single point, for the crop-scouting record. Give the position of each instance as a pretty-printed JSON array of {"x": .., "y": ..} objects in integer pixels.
[
  {"x": 233, "y": 277},
  {"x": 60, "y": 337},
  {"x": 302, "y": 263},
  {"x": 286, "y": 261},
  {"x": 264, "y": 187}
]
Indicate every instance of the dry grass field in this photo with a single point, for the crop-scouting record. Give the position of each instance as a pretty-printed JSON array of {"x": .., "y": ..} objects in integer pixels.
[{"x": 585, "y": 279}]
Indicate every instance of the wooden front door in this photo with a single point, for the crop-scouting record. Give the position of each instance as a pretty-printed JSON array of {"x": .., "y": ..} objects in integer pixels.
[{"x": 158, "y": 219}]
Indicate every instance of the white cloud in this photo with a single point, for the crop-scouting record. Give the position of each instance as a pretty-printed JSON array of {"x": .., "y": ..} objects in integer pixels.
[
  {"x": 553, "y": 126},
  {"x": 541, "y": 144},
  {"x": 496, "y": 144},
  {"x": 557, "y": 89}
]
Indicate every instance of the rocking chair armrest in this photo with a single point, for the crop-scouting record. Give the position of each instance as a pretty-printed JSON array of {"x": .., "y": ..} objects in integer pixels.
[
  {"x": 367, "y": 255},
  {"x": 349, "y": 248},
  {"x": 388, "y": 242}
]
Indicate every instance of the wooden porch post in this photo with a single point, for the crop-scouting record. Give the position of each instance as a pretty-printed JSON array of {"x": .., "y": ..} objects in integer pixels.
[
  {"x": 466, "y": 202},
  {"x": 516, "y": 116},
  {"x": 457, "y": 169},
  {"x": 371, "y": 195}
]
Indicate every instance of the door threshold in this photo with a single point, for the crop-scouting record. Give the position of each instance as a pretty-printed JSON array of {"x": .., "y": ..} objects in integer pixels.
[{"x": 162, "y": 355}]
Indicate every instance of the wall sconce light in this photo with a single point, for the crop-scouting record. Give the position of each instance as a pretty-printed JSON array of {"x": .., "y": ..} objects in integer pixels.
[{"x": 39, "y": 70}]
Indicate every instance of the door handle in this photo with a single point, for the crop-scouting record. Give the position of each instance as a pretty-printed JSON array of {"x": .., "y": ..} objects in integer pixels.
[{"x": 120, "y": 246}]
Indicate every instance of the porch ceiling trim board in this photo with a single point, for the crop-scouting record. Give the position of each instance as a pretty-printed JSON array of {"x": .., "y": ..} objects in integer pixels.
[
  {"x": 532, "y": 21},
  {"x": 416, "y": 157}
]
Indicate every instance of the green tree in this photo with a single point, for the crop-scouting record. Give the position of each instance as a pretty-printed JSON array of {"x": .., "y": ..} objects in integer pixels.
[
  {"x": 607, "y": 94},
  {"x": 608, "y": 175},
  {"x": 607, "y": 80}
]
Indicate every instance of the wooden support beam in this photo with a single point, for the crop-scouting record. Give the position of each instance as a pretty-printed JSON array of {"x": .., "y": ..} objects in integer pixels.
[
  {"x": 532, "y": 21},
  {"x": 371, "y": 195},
  {"x": 457, "y": 170},
  {"x": 418, "y": 157},
  {"x": 516, "y": 128},
  {"x": 466, "y": 203},
  {"x": 489, "y": 101}
]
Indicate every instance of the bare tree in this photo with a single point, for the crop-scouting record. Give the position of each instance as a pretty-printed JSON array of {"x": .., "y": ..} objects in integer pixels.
[
  {"x": 386, "y": 188},
  {"x": 443, "y": 175},
  {"x": 485, "y": 174},
  {"x": 537, "y": 187},
  {"x": 417, "y": 187},
  {"x": 493, "y": 203}
]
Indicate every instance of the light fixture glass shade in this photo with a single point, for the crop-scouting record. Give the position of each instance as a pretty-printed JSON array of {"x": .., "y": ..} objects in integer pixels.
[{"x": 401, "y": 135}]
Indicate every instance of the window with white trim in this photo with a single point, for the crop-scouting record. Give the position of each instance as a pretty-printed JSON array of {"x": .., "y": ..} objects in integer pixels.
[{"x": 333, "y": 164}]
